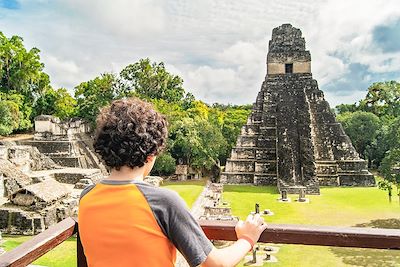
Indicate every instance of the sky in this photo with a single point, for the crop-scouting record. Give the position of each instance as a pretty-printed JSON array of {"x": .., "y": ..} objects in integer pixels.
[{"x": 219, "y": 47}]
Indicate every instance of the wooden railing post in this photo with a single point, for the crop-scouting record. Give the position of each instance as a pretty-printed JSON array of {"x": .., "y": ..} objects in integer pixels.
[
  {"x": 80, "y": 254},
  {"x": 81, "y": 258}
]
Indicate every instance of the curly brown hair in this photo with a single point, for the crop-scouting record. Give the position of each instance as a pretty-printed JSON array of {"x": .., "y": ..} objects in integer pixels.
[{"x": 128, "y": 131}]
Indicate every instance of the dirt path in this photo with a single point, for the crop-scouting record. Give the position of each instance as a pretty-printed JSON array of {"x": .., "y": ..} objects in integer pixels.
[{"x": 16, "y": 137}]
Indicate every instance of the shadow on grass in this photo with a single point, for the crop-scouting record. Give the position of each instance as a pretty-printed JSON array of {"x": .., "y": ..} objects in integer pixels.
[
  {"x": 250, "y": 189},
  {"x": 371, "y": 257},
  {"x": 382, "y": 223}
]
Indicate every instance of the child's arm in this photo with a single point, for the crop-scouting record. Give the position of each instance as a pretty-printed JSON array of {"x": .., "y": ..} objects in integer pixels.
[{"x": 248, "y": 233}]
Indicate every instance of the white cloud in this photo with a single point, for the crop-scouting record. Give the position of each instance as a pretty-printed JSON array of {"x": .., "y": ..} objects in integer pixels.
[
  {"x": 351, "y": 98},
  {"x": 218, "y": 47},
  {"x": 122, "y": 17},
  {"x": 344, "y": 28},
  {"x": 67, "y": 72}
]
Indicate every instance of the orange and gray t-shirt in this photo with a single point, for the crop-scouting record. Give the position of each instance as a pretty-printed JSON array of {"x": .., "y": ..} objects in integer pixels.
[{"x": 131, "y": 223}]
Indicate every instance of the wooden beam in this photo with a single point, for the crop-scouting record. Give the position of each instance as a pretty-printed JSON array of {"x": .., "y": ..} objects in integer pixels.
[
  {"x": 29, "y": 251},
  {"x": 81, "y": 258},
  {"x": 32, "y": 249},
  {"x": 311, "y": 235}
]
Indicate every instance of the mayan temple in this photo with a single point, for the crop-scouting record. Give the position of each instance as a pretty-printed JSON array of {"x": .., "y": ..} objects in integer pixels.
[{"x": 292, "y": 139}]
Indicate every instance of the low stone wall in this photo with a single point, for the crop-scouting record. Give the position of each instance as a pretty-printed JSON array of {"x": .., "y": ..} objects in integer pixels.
[
  {"x": 263, "y": 179},
  {"x": 73, "y": 162},
  {"x": 239, "y": 178},
  {"x": 356, "y": 179},
  {"x": 215, "y": 211},
  {"x": 14, "y": 220}
]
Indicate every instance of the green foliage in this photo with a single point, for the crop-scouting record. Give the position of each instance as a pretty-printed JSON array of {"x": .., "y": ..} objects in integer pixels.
[
  {"x": 198, "y": 133},
  {"x": 95, "y": 94},
  {"x": 343, "y": 108},
  {"x": 386, "y": 186},
  {"x": 164, "y": 165},
  {"x": 383, "y": 99},
  {"x": 151, "y": 81},
  {"x": 22, "y": 80},
  {"x": 21, "y": 71},
  {"x": 234, "y": 119},
  {"x": 6, "y": 119},
  {"x": 56, "y": 102},
  {"x": 390, "y": 169},
  {"x": 20, "y": 111},
  {"x": 197, "y": 142},
  {"x": 362, "y": 128}
]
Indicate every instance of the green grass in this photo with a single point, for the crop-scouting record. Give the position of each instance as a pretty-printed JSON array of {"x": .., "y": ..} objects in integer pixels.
[
  {"x": 336, "y": 207},
  {"x": 61, "y": 256},
  {"x": 188, "y": 190}
]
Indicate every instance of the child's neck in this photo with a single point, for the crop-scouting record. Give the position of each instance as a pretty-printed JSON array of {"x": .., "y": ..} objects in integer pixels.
[{"x": 126, "y": 173}]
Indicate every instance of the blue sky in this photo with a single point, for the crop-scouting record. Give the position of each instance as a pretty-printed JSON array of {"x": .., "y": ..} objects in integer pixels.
[
  {"x": 9, "y": 4},
  {"x": 218, "y": 47}
]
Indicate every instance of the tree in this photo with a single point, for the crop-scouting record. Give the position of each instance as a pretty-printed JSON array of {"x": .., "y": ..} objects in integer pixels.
[
  {"x": 20, "y": 112},
  {"x": 386, "y": 186},
  {"x": 65, "y": 104},
  {"x": 56, "y": 102},
  {"x": 22, "y": 79},
  {"x": 151, "y": 81},
  {"x": 197, "y": 143},
  {"x": 21, "y": 71},
  {"x": 343, "y": 108},
  {"x": 234, "y": 119},
  {"x": 362, "y": 128},
  {"x": 164, "y": 165},
  {"x": 390, "y": 169},
  {"x": 6, "y": 119},
  {"x": 95, "y": 94},
  {"x": 383, "y": 99}
]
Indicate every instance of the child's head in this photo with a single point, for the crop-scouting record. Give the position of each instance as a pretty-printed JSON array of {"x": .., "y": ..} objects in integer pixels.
[{"x": 128, "y": 132}]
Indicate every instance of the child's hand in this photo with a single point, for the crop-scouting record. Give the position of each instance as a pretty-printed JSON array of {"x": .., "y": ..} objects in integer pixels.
[{"x": 251, "y": 228}]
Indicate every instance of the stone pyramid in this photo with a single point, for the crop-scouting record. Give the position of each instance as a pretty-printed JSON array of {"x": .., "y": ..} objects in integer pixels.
[{"x": 291, "y": 138}]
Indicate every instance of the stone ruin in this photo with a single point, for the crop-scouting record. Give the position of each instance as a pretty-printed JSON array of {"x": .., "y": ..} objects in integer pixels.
[
  {"x": 67, "y": 143},
  {"x": 30, "y": 205},
  {"x": 213, "y": 207},
  {"x": 185, "y": 172},
  {"x": 291, "y": 138},
  {"x": 41, "y": 179}
]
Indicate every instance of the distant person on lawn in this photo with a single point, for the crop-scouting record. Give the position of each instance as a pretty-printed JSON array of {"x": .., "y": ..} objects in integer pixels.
[{"x": 124, "y": 221}]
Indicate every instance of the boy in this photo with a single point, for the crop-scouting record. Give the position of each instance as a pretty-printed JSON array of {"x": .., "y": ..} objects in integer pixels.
[{"x": 124, "y": 221}]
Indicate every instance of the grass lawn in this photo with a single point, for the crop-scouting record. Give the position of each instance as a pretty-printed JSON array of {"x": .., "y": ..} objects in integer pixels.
[
  {"x": 336, "y": 207},
  {"x": 188, "y": 190},
  {"x": 64, "y": 255}
]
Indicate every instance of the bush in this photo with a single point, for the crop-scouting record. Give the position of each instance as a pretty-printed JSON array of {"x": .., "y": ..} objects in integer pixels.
[
  {"x": 165, "y": 165},
  {"x": 6, "y": 119}
]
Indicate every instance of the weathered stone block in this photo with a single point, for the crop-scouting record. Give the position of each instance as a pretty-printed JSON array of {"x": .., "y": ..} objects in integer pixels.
[
  {"x": 264, "y": 179},
  {"x": 265, "y": 167}
]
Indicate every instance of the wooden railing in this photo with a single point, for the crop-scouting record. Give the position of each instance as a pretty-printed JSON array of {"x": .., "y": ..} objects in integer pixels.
[{"x": 219, "y": 230}]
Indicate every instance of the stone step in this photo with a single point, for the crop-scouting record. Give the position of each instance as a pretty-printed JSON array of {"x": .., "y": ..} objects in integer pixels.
[
  {"x": 250, "y": 160},
  {"x": 322, "y": 175},
  {"x": 248, "y": 173}
]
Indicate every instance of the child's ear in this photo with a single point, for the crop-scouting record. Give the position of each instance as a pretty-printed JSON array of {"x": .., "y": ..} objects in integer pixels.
[{"x": 150, "y": 158}]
